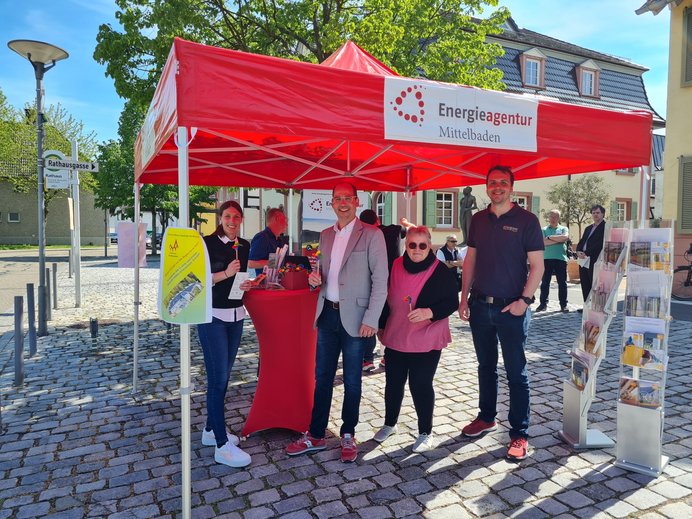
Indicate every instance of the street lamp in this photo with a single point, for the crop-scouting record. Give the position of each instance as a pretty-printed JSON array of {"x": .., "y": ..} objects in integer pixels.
[{"x": 42, "y": 57}]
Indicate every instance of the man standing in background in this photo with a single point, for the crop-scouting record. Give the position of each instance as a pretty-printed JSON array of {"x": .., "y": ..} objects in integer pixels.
[
  {"x": 267, "y": 241},
  {"x": 555, "y": 238}
]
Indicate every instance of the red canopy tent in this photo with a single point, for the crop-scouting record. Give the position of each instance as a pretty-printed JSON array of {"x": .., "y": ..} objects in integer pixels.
[
  {"x": 226, "y": 118},
  {"x": 271, "y": 122}
]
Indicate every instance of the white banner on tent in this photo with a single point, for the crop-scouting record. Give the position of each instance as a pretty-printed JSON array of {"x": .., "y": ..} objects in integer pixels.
[{"x": 425, "y": 111}]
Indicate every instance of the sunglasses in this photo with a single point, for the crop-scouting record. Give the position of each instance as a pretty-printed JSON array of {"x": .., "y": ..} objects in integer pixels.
[
  {"x": 452, "y": 241},
  {"x": 421, "y": 246}
]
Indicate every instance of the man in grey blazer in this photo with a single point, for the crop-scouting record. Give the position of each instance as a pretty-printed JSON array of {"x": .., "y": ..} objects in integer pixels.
[{"x": 353, "y": 289}]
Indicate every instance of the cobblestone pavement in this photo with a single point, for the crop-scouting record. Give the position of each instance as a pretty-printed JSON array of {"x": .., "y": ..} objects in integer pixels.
[{"x": 76, "y": 442}]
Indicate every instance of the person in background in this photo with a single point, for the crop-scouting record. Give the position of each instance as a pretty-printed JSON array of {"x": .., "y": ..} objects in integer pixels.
[
  {"x": 555, "y": 237},
  {"x": 420, "y": 299},
  {"x": 452, "y": 257},
  {"x": 267, "y": 241},
  {"x": 392, "y": 239},
  {"x": 590, "y": 246},
  {"x": 502, "y": 270},
  {"x": 220, "y": 339},
  {"x": 353, "y": 290}
]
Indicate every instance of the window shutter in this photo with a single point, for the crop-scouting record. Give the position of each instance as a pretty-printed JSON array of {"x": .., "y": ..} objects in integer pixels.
[
  {"x": 430, "y": 216},
  {"x": 387, "y": 214},
  {"x": 687, "y": 17},
  {"x": 685, "y": 197},
  {"x": 613, "y": 210},
  {"x": 635, "y": 214},
  {"x": 536, "y": 206}
]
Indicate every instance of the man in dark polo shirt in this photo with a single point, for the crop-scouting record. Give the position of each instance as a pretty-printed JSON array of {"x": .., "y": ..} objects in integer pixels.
[
  {"x": 502, "y": 239},
  {"x": 267, "y": 241}
]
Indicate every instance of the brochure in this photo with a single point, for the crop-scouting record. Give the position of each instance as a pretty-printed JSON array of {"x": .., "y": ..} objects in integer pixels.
[
  {"x": 579, "y": 374},
  {"x": 629, "y": 390},
  {"x": 649, "y": 394}
]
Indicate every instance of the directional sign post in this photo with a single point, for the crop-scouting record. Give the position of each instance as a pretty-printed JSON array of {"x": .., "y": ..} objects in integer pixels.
[{"x": 54, "y": 163}]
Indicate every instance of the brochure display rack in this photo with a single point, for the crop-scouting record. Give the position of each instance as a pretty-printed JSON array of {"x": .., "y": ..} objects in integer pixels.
[
  {"x": 589, "y": 349},
  {"x": 644, "y": 351}
]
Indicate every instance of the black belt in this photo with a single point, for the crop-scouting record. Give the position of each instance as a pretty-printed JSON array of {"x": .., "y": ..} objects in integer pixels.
[
  {"x": 331, "y": 304},
  {"x": 491, "y": 300}
]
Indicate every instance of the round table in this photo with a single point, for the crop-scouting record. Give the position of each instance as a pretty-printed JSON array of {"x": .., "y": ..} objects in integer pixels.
[{"x": 283, "y": 322}]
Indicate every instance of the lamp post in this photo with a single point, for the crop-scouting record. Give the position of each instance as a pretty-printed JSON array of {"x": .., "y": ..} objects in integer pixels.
[{"x": 42, "y": 57}]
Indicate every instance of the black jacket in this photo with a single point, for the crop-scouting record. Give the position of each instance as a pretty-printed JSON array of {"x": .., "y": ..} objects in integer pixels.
[
  {"x": 220, "y": 255},
  {"x": 593, "y": 247}
]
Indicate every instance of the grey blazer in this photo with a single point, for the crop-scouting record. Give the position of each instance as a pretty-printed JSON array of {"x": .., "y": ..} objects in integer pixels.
[{"x": 362, "y": 278}]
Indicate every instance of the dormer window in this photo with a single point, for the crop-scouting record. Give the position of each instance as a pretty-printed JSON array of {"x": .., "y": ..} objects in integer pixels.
[
  {"x": 588, "y": 74},
  {"x": 532, "y": 64}
]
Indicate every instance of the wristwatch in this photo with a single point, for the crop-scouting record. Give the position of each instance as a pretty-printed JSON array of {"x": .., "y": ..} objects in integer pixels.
[{"x": 528, "y": 300}]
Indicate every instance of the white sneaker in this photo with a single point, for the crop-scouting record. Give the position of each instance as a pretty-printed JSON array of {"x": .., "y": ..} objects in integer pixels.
[
  {"x": 209, "y": 439},
  {"x": 424, "y": 443},
  {"x": 230, "y": 455},
  {"x": 385, "y": 432}
]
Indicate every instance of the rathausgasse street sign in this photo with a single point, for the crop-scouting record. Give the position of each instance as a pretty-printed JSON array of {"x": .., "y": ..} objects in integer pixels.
[{"x": 53, "y": 163}]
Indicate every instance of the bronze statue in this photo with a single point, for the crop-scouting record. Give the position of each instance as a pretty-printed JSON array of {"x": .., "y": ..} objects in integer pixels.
[{"x": 466, "y": 207}]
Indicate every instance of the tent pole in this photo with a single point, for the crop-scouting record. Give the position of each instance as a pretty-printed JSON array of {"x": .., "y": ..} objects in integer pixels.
[
  {"x": 184, "y": 221},
  {"x": 290, "y": 221},
  {"x": 644, "y": 194},
  {"x": 135, "y": 342},
  {"x": 407, "y": 193}
]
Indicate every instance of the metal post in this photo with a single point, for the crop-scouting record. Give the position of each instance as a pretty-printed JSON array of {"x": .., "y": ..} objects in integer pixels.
[
  {"x": 18, "y": 341},
  {"x": 31, "y": 317},
  {"x": 55, "y": 286},
  {"x": 77, "y": 232},
  {"x": 43, "y": 303},
  {"x": 46, "y": 302}
]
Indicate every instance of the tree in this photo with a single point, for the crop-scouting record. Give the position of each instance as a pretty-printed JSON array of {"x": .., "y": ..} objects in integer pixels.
[
  {"x": 574, "y": 198},
  {"x": 114, "y": 184},
  {"x": 440, "y": 39},
  {"x": 18, "y": 145}
]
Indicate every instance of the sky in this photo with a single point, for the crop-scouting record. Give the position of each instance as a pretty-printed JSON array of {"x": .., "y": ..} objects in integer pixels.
[{"x": 80, "y": 85}]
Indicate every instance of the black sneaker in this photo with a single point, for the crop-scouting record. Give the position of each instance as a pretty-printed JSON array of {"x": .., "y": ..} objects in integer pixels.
[
  {"x": 564, "y": 309},
  {"x": 541, "y": 307}
]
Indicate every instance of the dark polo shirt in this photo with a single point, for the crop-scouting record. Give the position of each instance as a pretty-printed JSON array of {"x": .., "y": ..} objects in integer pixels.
[{"x": 501, "y": 247}]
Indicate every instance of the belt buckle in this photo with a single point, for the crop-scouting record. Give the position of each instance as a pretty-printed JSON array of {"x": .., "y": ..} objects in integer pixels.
[{"x": 489, "y": 299}]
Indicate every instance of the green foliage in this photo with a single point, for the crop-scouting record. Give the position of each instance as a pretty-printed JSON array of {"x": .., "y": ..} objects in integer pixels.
[
  {"x": 113, "y": 188},
  {"x": 574, "y": 198},
  {"x": 436, "y": 38}
]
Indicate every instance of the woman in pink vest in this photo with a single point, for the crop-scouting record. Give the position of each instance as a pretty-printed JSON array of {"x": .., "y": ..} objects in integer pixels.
[{"x": 422, "y": 295}]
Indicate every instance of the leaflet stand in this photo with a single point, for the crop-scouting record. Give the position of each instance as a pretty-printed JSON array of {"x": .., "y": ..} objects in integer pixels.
[
  {"x": 644, "y": 351},
  {"x": 589, "y": 349}
]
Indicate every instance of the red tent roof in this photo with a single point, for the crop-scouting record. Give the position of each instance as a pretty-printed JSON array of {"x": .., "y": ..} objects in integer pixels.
[
  {"x": 271, "y": 122},
  {"x": 352, "y": 57}
]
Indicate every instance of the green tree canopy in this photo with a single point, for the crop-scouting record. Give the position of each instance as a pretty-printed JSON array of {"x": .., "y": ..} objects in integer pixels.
[
  {"x": 574, "y": 198},
  {"x": 441, "y": 39}
]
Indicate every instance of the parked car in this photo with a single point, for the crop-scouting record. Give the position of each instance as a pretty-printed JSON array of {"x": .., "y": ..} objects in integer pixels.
[{"x": 113, "y": 237}]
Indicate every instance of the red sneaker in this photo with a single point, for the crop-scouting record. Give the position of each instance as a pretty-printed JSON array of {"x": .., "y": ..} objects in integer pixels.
[
  {"x": 349, "y": 451},
  {"x": 478, "y": 427},
  {"x": 382, "y": 363},
  {"x": 518, "y": 449},
  {"x": 306, "y": 443},
  {"x": 368, "y": 366}
]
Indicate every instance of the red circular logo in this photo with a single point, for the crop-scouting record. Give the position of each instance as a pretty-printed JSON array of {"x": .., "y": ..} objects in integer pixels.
[{"x": 409, "y": 104}]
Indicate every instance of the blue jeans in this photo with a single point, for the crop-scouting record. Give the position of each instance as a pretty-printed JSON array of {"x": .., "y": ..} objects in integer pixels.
[
  {"x": 488, "y": 324},
  {"x": 220, "y": 341},
  {"x": 332, "y": 340},
  {"x": 559, "y": 268}
]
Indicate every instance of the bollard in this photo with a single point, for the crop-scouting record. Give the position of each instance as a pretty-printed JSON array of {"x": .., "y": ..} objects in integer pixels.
[
  {"x": 94, "y": 327},
  {"x": 169, "y": 333},
  {"x": 18, "y": 341},
  {"x": 69, "y": 264},
  {"x": 55, "y": 286},
  {"x": 41, "y": 299},
  {"x": 31, "y": 312},
  {"x": 49, "y": 316}
]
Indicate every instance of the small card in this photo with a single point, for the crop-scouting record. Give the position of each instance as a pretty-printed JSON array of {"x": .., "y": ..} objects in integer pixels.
[
  {"x": 584, "y": 262},
  {"x": 236, "y": 293}
]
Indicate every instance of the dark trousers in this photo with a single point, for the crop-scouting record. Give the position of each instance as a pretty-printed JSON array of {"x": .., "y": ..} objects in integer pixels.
[
  {"x": 220, "y": 341},
  {"x": 420, "y": 369},
  {"x": 559, "y": 268},
  {"x": 586, "y": 280},
  {"x": 334, "y": 341},
  {"x": 369, "y": 348},
  {"x": 490, "y": 325}
]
